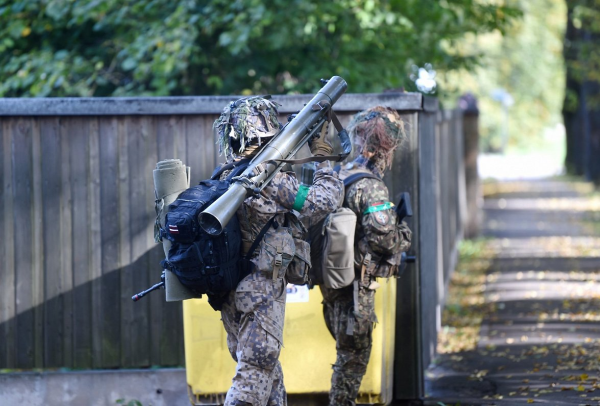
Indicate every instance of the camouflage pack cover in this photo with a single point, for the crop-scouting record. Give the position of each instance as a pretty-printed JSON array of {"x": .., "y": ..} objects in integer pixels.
[{"x": 245, "y": 122}]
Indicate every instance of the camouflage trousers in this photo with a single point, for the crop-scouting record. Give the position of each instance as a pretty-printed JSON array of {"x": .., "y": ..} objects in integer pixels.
[
  {"x": 253, "y": 318},
  {"x": 351, "y": 326}
]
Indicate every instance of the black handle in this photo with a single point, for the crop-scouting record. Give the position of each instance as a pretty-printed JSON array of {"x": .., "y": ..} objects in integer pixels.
[
  {"x": 159, "y": 285},
  {"x": 404, "y": 208}
]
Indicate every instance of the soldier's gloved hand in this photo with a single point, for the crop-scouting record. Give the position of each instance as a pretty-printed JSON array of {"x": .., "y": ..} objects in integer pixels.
[{"x": 321, "y": 146}]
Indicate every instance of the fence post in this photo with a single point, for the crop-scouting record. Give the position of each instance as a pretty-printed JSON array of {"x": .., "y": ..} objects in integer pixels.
[
  {"x": 416, "y": 305},
  {"x": 468, "y": 104}
]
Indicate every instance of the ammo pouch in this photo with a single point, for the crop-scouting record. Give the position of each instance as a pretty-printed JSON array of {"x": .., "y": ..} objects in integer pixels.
[
  {"x": 298, "y": 270},
  {"x": 388, "y": 266},
  {"x": 376, "y": 266},
  {"x": 276, "y": 252}
]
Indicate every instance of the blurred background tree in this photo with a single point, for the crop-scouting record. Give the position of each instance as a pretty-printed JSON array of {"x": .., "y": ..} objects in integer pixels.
[
  {"x": 525, "y": 63},
  {"x": 193, "y": 47},
  {"x": 581, "y": 109}
]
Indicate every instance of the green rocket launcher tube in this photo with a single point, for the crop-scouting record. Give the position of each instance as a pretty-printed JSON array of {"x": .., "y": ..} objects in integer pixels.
[{"x": 304, "y": 126}]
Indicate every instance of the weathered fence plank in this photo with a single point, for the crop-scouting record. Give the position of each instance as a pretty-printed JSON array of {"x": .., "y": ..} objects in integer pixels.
[
  {"x": 110, "y": 230},
  {"x": 152, "y": 267},
  {"x": 153, "y": 271},
  {"x": 37, "y": 245},
  {"x": 7, "y": 258},
  {"x": 180, "y": 140},
  {"x": 51, "y": 191},
  {"x": 125, "y": 258},
  {"x": 164, "y": 135},
  {"x": 23, "y": 207},
  {"x": 165, "y": 150},
  {"x": 66, "y": 243},
  {"x": 95, "y": 231},
  {"x": 197, "y": 155},
  {"x": 139, "y": 329},
  {"x": 443, "y": 162},
  {"x": 82, "y": 307}
]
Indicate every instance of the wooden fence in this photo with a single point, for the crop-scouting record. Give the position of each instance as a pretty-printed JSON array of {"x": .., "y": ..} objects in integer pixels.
[
  {"x": 438, "y": 194},
  {"x": 78, "y": 211}
]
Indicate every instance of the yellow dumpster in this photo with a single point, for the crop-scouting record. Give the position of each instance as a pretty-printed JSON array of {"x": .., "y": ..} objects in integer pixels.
[{"x": 307, "y": 356}]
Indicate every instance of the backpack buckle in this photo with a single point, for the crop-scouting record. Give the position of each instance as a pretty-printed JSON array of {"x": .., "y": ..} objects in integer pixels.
[{"x": 278, "y": 262}]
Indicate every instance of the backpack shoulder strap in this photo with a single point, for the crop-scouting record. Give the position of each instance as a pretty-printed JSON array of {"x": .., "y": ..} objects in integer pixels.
[
  {"x": 238, "y": 167},
  {"x": 259, "y": 238},
  {"x": 245, "y": 264},
  {"x": 220, "y": 169},
  {"x": 355, "y": 176},
  {"x": 237, "y": 170},
  {"x": 358, "y": 176}
]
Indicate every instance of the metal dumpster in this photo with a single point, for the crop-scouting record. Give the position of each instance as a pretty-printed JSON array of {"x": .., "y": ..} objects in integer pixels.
[{"x": 307, "y": 356}]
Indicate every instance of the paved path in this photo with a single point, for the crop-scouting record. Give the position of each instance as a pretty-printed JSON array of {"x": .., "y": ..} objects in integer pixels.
[
  {"x": 512, "y": 167},
  {"x": 539, "y": 341}
]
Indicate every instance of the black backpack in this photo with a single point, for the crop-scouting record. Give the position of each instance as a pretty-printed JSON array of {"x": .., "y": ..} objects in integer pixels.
[{"x": 203, "y": 263}]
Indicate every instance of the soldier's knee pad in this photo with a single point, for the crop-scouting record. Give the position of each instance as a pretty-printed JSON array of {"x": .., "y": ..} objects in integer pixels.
[{"x": 260, "y": 348}]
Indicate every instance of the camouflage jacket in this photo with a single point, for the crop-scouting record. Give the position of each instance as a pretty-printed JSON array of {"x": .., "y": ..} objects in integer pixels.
[
  {"x": 277, "y": 200},
  {"x": 378, "y": 232}
]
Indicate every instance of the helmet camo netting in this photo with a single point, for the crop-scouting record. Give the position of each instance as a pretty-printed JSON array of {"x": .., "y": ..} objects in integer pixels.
[
  {"x": 379, "y": 131},
  {"x": 243, "y": 123}
]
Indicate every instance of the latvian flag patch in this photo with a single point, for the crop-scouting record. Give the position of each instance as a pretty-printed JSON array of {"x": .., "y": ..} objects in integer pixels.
[{"x": 173, "y": 229}]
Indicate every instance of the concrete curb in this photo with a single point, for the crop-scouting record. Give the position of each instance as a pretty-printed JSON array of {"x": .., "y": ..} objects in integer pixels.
[{"x": 156, "y": 387}]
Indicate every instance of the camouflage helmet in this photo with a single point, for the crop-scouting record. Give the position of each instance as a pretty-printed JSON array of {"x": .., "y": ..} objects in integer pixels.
[
  {"x": 245, "y": 122},
  {"x": 377, "y": 131}
]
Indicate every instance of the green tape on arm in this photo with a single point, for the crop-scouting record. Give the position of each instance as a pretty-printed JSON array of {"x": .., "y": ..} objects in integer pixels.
[
  {"x": 379, "y": 207},
  {"x": 301, "y": 197}
]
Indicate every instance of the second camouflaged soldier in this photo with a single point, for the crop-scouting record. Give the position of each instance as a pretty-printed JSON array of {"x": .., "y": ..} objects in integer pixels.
[
  {"x": 253, "y": 314},
  {"x": 379, "y": 241}
]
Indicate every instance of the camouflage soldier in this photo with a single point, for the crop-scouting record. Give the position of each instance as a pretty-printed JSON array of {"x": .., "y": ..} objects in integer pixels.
[
  {"x": 379, "y": 241},
  {"x": 254, "y": 313}
]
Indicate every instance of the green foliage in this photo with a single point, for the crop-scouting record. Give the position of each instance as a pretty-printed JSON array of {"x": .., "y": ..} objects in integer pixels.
[
  {"x": 163, "y": 47},
  {"x": 474, "y": 249},
  {"x": 527, "y": 62}
]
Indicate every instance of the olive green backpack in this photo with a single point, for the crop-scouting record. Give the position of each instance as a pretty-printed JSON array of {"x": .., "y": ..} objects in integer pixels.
[{"x": 332, "y": 245}]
